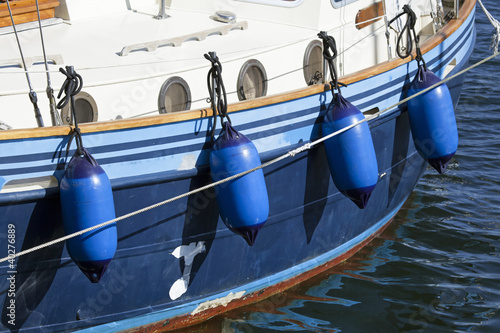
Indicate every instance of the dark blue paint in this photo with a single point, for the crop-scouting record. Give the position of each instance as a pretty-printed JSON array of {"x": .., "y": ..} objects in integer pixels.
[
  {"x": 360, "y": 195},
  {"x": 307, "y": 216}
]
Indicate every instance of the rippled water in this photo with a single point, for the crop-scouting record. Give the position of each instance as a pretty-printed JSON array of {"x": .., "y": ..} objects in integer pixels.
[{"x": 437, "y": 266}]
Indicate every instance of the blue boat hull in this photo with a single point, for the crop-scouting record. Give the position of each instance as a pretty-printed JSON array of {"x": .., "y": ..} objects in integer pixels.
[
  {"x": 308, "y": 217},
  {"x": 180, "y": 260}
]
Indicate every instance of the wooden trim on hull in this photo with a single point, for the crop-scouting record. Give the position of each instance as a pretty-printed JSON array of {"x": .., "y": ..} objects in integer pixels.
[
  {"x": 190, "y": 320},
  {"x": 158, "y": 120},
  {"x": 428, "y": 45}
]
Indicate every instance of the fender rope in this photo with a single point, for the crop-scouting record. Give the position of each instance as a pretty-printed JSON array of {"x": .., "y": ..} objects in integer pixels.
[
  {"x": 217, "y": 92},
  {"x": 32, "y": 93},
  {"x": 72, "y": 86},
  {"x": 410, "y": 30}
]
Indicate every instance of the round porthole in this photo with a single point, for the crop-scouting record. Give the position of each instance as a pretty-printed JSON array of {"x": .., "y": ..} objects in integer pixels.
[
  {"x": 85, "y": 108},
  {"x": 252, "y": 80},
  {"x": 174, "y": 95},
  {"x": 313, "y": 62}
]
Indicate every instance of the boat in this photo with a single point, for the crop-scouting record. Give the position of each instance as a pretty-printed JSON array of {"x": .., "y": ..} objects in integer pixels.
[{"x": 146, "y": 111}]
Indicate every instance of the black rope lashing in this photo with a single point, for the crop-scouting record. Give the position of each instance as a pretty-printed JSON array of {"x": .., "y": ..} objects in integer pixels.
[
  {"x": 410, "y": 35},
  {"x": 77, "y": 135},
  {"x": 330, "y": 54},
  {"x": 54, "y": 115},
  {"x": 217, "y": 91},
  {"x": 71, "y": 87}
]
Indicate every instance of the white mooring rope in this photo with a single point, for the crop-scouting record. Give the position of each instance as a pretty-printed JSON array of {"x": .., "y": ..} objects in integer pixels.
[
  {"x": 494, "y": 22},
  {"x": 291, "y": 153}
]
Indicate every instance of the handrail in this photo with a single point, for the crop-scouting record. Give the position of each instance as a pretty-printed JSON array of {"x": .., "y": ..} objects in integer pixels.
[{"x": 177, "y": 41}]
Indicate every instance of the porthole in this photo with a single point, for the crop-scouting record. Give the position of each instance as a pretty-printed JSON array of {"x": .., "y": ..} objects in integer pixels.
[
  {"x": 85, "y": 108},
  {"x": 313, "y": 62},
  {"x": 174, "y": 96},
  {"x": 252, "y": 80}
]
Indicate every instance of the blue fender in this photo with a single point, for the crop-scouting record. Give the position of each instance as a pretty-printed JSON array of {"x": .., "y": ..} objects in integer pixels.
[
  {"x": 432, "y": 120},
  {"x": 243, "y": 202},
  {"x": 351, "y": 154},
  {"x": 87, "y": 200}
]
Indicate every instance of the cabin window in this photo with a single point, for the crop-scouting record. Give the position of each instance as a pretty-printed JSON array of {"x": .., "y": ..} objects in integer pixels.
[
  {"x": 280, "y": 3},
  {"x": 85, "y": 109},
  {"x": 174, "y": 96},
  {"x": 313, "y": 62},
  {"x": 252, "y": 80},
  {"x": 341, "y": 3}
]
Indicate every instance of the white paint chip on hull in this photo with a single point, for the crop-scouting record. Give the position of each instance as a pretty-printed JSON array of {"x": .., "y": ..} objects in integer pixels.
[{"x": 223, "y": 301}]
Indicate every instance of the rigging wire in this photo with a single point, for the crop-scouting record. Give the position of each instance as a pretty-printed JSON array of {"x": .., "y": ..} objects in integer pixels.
[
  {"x": 32, "y": 93},
  {"x": 387, "y": 33},
  {"x": 54, "y": 115}
]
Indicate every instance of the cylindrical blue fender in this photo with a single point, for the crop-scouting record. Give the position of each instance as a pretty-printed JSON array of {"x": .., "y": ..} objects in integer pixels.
[
  {"x": 432, "y": 120},
  {"x": 87, "y": 200},
  {"x": 351, "y": 155},
  {"x": 243, "y": 202}
]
